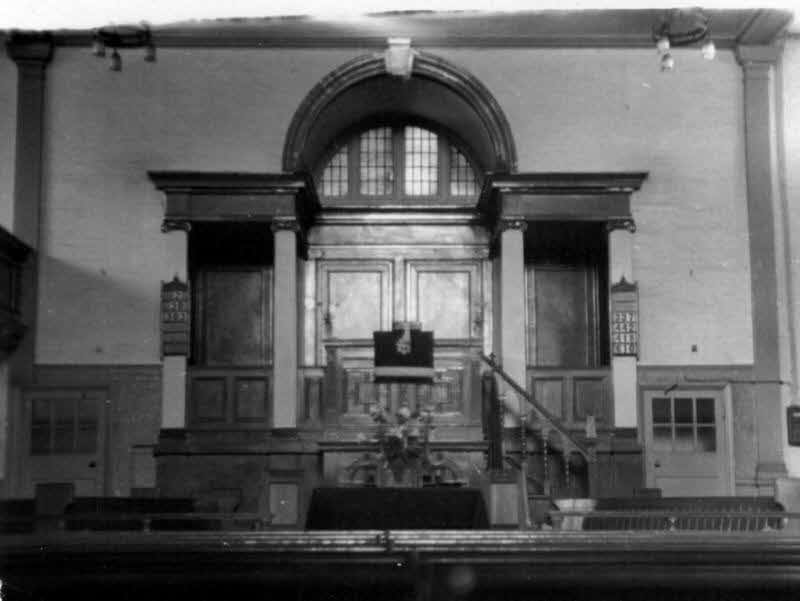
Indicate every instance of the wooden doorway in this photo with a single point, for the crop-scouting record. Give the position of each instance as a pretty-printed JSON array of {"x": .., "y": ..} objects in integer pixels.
[{"x": 688, "y": 442}]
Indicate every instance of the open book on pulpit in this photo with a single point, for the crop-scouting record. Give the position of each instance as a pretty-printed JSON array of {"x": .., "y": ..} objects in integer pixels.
[{"x": 404, "y": 355}]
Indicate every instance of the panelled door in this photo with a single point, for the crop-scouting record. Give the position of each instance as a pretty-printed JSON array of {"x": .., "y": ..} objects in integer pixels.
[
  {"x": 446, "y": 297},
  {"x": 357, "y": 297},
  {"x": 65, "y": 440},
  {"x": 687, "y": 442}
]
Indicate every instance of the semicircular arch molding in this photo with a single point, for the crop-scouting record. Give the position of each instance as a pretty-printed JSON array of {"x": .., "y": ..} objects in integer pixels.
[{"x": 437, "y": 92}]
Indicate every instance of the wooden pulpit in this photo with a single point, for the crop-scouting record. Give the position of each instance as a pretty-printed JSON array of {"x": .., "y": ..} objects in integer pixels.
[{"x": 404, "y": 355}]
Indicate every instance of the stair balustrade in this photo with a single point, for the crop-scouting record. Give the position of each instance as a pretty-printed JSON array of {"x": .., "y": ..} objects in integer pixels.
[{"x": 541, "y": 427}]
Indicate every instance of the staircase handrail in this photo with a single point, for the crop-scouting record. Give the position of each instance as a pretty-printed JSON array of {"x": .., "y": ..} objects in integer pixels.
[{"x": 540, "y": 410}]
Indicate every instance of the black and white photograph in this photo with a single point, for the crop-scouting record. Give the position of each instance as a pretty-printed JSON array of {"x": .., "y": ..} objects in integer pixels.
[{"x": 399, "y": 301}]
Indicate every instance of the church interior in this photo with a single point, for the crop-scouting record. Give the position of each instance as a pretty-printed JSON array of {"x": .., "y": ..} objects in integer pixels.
[{"x": 456, "y": 304}]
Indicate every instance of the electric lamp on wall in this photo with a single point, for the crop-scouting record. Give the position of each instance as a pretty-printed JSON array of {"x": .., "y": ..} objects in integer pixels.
[
  {"x": 119, "y": 37},
  {"x": 683, "y": 27}
]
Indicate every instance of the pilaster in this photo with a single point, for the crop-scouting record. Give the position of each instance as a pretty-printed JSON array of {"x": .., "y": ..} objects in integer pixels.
[
  {"x": 768, "y": 266},
  {"x": 284, "y": 373},
  {"x": 511, "y": 234},
  {"x": 31, "y": 52}
]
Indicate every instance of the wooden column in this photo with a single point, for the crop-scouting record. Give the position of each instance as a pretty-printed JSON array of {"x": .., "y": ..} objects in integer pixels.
[
  {"x": 284, "y": 373},
  {"x": 512, "y": 338},
  {"x": 512, "y": 303},
  {"x": 768, "y": 264},
  {"x": 173, "y": 378},
  {"x": 509, "y": 324},
  {"x": 623, "y": 369}
]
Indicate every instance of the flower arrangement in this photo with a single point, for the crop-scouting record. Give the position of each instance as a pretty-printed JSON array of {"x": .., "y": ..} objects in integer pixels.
[{"x": 403, "y": 439}]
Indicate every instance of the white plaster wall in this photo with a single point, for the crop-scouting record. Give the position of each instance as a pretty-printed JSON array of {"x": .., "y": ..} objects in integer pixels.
[
  {"x": 613, "y": 110},
  {"x": 789, "y": 88},
  {"x": 102, "y": 247},
  {"x": 8, "y": 136},
  {"x": 569, "y": 110}
]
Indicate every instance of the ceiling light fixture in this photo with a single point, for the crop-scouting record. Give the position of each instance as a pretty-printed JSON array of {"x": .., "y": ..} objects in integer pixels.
[
  {"x": 683, "y": 27},
  {"x": 123, "y": 36}
]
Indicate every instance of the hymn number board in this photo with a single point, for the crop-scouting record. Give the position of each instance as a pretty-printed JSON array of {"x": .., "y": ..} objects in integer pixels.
[
  {"x": 175, "y": 311},
  {"x": 793, "y": 422},
  {"x": 624, "y": 319}
]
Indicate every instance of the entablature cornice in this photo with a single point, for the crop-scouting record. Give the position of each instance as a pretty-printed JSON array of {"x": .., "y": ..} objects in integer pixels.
[
  {"x": 507, "y": 199},
  {"x": 231, "y": 196},
  {"x": 566, "y": 182}
]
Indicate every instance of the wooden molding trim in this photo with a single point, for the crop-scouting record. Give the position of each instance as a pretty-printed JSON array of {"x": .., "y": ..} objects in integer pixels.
[
  {"x": 229, "y": 182},
  {"x": 577, "y": 196},
  {"x": 568, "y": 183},
  {"x": 220, "y": 196}
]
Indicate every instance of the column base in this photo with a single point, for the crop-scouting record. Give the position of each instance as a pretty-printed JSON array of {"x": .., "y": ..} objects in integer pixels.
[{"x": 767, "y": 473}]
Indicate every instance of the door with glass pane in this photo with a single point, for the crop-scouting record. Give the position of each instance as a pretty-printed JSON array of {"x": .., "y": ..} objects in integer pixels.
[
  {"x": 687, "y": 444},
  {"x": 65, "y": 440}
]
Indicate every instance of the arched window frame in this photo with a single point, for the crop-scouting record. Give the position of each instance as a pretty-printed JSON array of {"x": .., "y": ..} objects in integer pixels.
[{"x": 351, "y": 140}]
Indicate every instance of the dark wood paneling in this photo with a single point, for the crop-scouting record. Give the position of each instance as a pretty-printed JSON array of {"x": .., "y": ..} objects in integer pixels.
[
  {"x": 208, "y": 399},
  {"x": 229, "y": 397},
  {"x": 234, "y": 317},
  {"x": 566, "y": 266},
  {"x": 562, "y": 317},
  {"x": 572, "y": 394},
  {"x": 252, "y": 399},
  {"x": 590, "y": 397}
]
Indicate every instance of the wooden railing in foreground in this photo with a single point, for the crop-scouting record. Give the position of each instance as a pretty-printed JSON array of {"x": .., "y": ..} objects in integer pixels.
[
  {"x": 673, "y": 521},
  {"x": 397, "y": 565},
  {"x": 133, "y": 522}
]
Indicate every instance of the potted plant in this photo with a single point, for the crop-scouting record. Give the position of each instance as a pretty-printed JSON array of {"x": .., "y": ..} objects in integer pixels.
[{"x": 402, "y": 441}]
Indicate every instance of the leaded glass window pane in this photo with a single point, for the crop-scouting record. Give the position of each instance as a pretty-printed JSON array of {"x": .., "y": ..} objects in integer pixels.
[
  {"x": 462, "y": 178},
  {"x": 376, "y": 167},
  {"x": 334, "y": 178},
  {"x": 422, "y": 162}
]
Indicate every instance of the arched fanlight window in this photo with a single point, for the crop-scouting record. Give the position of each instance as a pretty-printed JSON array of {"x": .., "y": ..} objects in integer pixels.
[{"x": 406, "y": 162}]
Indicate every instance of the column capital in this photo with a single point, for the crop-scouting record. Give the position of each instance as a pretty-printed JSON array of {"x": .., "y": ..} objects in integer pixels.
[
  {"x": 285, "y": 224},
  {"x": 30, "y": 48},
  {"x": 511, "y": 223},
  {"x": 171, "y": 225},
  {"x": 754, "y": 58},
  {"x": 625, "y": 223}
]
